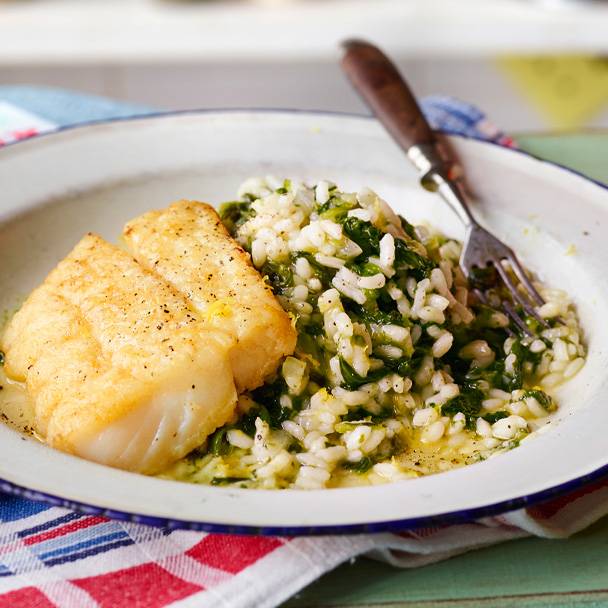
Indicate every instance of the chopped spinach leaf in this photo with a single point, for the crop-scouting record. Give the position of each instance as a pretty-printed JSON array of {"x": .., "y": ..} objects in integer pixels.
[
  {"x": 222, "y": 481},
  {"x": 405, "y": 256},
  {"x": 280, "y": 276},
  {"x": 365, "y": 234},
  {"x": 323, "y": 273},
  {"x": 493, "y": 417},
  {"x": 357, "y": 414},
  {"x": 234, "y": 214},
  {"x": 364, "y": 269},
  {"x": 268, "y": 396},
  {"x": 218, "y": 442},
  {"x": 468, "y": 402},
  {"x": 494, "y": 374},
  {"x": 335, "y": 209},
  {"x": 484, "y": 277},
  {"x": 380, "y": 317},
  {"x": 408, "y": 228},
  {"x": 345, "y": 427},
  {"x": 543, "y": 399},
  {"x": 284, "y": 189},
  {"x": 406, "y": 366},
  {"x": 313, "y": 329},
  {"x": 246, "y": 422},
  {"x": 361, "y": 466},
  {"x": 352, "y": 380}
]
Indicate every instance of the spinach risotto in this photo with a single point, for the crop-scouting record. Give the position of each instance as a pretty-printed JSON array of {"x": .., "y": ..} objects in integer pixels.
[{"x": 400, "y": 370}]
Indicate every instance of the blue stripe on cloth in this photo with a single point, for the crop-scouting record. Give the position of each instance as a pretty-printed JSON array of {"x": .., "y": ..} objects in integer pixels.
[
  {"x": 89, "y": 552},
  {"x": 453, "y": 107},
  {"x": 73, "y": 538},
  {"x": 4, "y": 570},
  {"x": 68, "y": 107},
  {"x": 452, "y": 114},
  {"x": 64, "y": 519},
  {"x": 90, "y": 542},
  {"x": 13, "y": 508}
]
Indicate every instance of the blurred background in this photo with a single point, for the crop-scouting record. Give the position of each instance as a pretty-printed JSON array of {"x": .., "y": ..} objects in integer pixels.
[{"x": 532, "y": 65}]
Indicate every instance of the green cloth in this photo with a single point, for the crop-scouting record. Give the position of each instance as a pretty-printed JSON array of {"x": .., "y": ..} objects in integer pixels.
[{"x": 524, "y": 573}]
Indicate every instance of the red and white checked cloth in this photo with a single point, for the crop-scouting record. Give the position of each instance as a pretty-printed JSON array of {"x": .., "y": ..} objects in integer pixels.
[
  {"x": 58, "y": 558},
  {"x": 52, "y": 557}
]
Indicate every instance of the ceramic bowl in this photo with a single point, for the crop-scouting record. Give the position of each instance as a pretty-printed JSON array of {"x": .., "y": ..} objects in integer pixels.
[{"x": 95, "y": 177}]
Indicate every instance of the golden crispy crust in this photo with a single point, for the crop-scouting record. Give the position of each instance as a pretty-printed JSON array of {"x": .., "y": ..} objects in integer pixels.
[
  {"x": 131, "y": 359},
  {"x": 188, "y": 246},
  {"x": 102, "y": 336}
]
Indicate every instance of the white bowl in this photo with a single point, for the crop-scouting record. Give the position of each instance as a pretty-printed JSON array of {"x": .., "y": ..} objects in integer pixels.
[{"x": 57, "y": 187}]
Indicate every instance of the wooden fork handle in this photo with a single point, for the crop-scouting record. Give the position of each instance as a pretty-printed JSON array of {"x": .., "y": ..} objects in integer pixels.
[{"x": 379, "y": 83}]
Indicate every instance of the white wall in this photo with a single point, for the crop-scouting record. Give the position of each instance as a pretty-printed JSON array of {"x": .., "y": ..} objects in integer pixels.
[{"x": 306, "y": 85}]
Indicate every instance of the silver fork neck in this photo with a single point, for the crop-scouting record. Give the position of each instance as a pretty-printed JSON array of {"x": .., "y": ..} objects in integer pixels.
[
  {"x": 452, "y": 194},
  {"x": 433, "y": 171}
]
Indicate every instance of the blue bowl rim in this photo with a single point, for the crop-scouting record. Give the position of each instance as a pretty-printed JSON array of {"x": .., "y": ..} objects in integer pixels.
[{"x": 397, "y": 525}]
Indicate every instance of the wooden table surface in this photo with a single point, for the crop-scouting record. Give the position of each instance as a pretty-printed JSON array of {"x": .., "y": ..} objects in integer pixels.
[{"x": 525, "y": 573}]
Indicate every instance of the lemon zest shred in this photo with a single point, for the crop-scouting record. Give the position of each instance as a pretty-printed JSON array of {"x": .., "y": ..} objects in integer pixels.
[{"x": 221, "y": 308}]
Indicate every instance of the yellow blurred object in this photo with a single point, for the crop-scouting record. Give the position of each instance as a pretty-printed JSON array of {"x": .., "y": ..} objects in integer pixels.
[{"x": 568, "y": 89}]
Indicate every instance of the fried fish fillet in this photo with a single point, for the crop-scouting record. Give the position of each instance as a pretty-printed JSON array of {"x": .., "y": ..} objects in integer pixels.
[
  {"x": 121, "y": 369},
  {"x": 190, "y": 248}
]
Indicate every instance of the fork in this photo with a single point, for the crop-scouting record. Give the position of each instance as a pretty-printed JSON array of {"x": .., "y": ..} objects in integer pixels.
[{"x": 379, "y": 83}]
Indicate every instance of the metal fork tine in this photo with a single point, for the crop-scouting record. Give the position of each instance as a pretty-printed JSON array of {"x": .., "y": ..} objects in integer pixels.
[
  {"x": 523, "y": 277},
  {"x": 504, "y": 275},
  {"x": 484, "y": 300},
  {"x": 481, "y": 295},
  {"x": 516, "y": 318}
]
